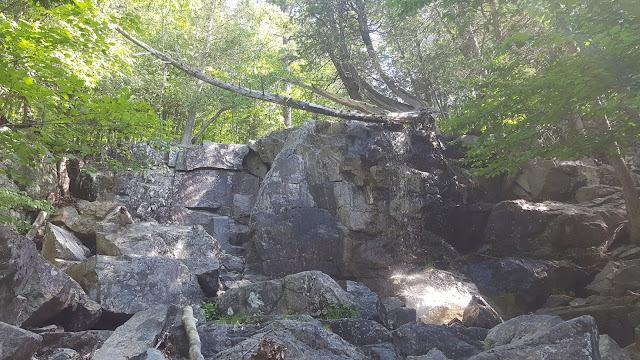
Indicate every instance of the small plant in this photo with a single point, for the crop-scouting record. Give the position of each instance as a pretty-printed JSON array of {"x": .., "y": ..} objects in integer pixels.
[
  {"x": 340, "y": 311},
  {"x": 285, "y": 315},
  {"x": 429, "y": 265},
  {"x": 210, "y": 311}
]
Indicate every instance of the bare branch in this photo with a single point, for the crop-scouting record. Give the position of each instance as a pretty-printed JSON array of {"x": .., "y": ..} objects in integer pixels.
[{"x": 401, "y": 118}]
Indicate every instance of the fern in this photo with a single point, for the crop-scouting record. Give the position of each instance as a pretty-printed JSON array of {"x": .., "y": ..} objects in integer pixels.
[{"x": 11, "y": 199}]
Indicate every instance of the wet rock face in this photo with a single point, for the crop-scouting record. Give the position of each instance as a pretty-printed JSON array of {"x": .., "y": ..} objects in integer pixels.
[{"x": 372, "y": 200}]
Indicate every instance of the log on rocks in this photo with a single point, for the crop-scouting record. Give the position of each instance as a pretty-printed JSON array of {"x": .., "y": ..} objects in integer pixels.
[{"x": 189, "y": 323}]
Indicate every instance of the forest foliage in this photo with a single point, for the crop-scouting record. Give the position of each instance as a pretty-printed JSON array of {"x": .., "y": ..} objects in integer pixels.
[{"x": 529, "y": 78}]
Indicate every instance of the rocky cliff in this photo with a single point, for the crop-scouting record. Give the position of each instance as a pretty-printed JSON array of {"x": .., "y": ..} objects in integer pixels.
[{"x": 328, "y": 241}]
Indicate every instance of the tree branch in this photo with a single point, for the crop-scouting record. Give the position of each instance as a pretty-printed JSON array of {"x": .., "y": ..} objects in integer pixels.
[
  {"x": 354, "y": 104},
  {"x": 401, "y": 118},
  {"x": 204, "y": 128}
]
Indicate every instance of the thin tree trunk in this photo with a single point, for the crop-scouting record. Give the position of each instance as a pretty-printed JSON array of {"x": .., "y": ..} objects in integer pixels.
[
  {"x": 187, "y": 135},
  {"x": 397, "y": 117},
  {"x": 363, "y": 27},
  {"x": 630, "y": 195},
  {"x": 211, "y": 121}
]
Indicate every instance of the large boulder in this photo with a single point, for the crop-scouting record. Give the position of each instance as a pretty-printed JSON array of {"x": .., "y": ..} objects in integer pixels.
[
  {"x": 553, "y": 180},
  {"x": 288, "y": 339},
  {"x": 139, "y": 333},
  {"x": 16, "y": 343},
  {"x": 518, "y": 286},
  {"x": 33, "y": 292},
  {"x": 60, "y": 243},
  {"x": 308, "y": 292},
  {"x": 547, "y": 229},
  {"x": 616, "y": 316},
  {"x": 127, "y": 285},
  {"x": 353, "y": 200},
  {"x": 359, "y": 332},
  {"x": 617, "y": 279},
  {"x": 152, "y": 239},
  {"x": 609, "y": 349},
  {"x": 456, "y": 343},
  {"x": 528, "y": 338},
  {"x": 480, "y": 314}
]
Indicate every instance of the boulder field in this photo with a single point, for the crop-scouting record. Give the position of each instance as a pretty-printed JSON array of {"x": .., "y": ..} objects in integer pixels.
[{"x": 330, "y": 241}]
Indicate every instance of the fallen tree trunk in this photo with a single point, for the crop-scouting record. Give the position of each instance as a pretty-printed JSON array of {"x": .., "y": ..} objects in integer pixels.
[
  {"x": 189, "y": 323},
  {"x": 421, "y": 115}
]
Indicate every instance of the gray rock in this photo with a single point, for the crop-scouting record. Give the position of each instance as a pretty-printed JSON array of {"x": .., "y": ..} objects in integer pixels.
[
  {"x": 616, "y": 316},
  {"x": 255, "y": 165},
  {"x": 307, "y": 292},
  {"x": 533, "y": 339},
  {"x": 519, "y": 328},
  {"x": 147, "y": 195},
  {"x": 33, "y": 292},
  {"x": 134, "y": 337},
  {"x": 591, "y": 192},
  {"x": 617, "y": 278},
  {"x": 433, "y": 354},
  {"x": 352, "y": 200},
  {"x": 518, "y": 286},
  {"x": 127, "y": 285},
  {"x": 297, "y": 240},
  {"x": 213, "y": 156},
  {"x": 631, "y": 254},
  {"x": 480, "y": 314},
  {"x": 359, "y": 332},
  {"x": 228, "y": 193},
  {"x": 83, "y": 342},
  {"x": 227, "y": 231},
  {"x": 151, "y": 354},
  {"x": 553, "y": 180},
  {"x": 152, "y": 239},
  {"x": 543, "y": 229},
  {"x": 60, "y": 243},
  {"x": 418, "y": 339},
  {"x": 208, "y": 272},
  {"x": 370, "y": 307},
  {"x": 400, "y": 316},
  {"x": 16, "y": 343},
  {"x": 295, "y": 340},
  {"x": 63, "y": 354},
  {"x": 233, "y": 263},
  {"x": 268, "y": 147},
  {"x": 383, "y": 351},
  {"x": 609, "y": 349}
]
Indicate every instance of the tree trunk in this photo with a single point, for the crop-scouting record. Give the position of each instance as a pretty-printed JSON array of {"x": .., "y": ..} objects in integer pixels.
[
  {"x": 187, "y": 134},
  {"x": 205, "y": 126},
  {"x": 630, "y": 195},
  {"x": 407, "y": 117}
]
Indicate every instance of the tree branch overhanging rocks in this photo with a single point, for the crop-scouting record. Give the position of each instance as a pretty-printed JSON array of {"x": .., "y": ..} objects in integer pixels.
[{"x": 424, "y": 115}]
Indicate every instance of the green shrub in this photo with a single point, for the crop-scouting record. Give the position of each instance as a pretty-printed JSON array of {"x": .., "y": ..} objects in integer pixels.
[
  {"x": 340, "y": 311},
  {"x": 11, "y": 199}
]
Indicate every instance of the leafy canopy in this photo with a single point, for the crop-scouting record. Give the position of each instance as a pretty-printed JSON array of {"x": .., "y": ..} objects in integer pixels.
[{"x": 569, "y": 90}]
